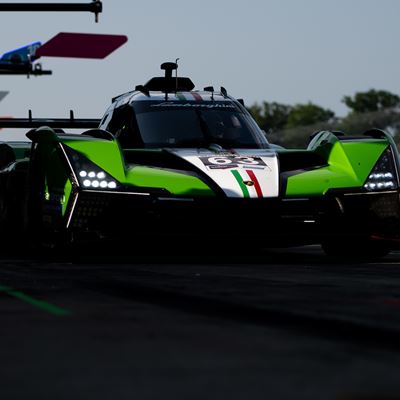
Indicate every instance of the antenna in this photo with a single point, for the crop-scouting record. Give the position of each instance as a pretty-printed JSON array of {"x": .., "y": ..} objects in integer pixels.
[{"x": 176, "y": 75}]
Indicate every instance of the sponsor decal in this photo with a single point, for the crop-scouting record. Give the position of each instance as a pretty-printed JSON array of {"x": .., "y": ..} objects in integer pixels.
[
  {"x": 211, "y": 167},
  {"x": 210, "y": 105},
  {"x": 248, "y": 183}
]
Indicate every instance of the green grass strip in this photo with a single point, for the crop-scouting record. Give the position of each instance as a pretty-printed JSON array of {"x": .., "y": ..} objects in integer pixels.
[
  {"x": 239, "y": 179},
  {"x": 43, "y": 305}
]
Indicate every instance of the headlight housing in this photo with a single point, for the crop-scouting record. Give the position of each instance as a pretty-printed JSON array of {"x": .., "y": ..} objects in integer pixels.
[
  {"x": 87, "y": 173},
  {"x": 384, "y": 174},
  {"x": 91, "y": 178}
]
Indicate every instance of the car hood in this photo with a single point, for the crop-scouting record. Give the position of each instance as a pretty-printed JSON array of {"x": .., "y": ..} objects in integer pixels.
[{"x": 239, "y": 173}]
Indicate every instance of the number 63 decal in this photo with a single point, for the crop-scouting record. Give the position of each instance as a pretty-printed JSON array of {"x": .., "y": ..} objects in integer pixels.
[{"x": 232, "y": 161}]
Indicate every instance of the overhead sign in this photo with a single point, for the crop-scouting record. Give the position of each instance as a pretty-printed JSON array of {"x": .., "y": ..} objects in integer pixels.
[{"x": 81, "y": 45}]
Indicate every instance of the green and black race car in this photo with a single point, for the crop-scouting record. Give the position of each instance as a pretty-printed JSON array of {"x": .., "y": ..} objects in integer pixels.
[{"x": 170, "y": 161}]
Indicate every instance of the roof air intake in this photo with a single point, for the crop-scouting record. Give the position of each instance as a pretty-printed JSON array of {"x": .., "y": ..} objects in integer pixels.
[{"x": 168, "y": 83}]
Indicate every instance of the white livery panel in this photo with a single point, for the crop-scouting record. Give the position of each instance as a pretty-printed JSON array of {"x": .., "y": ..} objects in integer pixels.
[{"x": 240, "y": 173}]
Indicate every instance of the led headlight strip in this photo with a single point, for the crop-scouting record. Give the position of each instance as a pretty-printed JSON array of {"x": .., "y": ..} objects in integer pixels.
[
  {"x": 96, "y": 180},
  {"x": 88, "y": 174},
  {"x": 384, "y": 175}
]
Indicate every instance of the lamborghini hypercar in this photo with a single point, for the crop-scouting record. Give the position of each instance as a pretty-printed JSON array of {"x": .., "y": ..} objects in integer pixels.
[{"x": 168, "y": 161}]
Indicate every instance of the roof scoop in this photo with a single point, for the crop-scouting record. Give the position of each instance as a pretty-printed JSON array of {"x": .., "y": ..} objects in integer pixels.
[{"x": 169, "y": 83}]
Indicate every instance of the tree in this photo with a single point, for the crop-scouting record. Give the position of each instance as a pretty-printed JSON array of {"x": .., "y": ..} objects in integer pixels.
[
  {"x": 370, "y": 101},
  {"x": 257, "y": 113},
  {"x": 270, "y": 116},
  {"x": 308, "y": 114}
]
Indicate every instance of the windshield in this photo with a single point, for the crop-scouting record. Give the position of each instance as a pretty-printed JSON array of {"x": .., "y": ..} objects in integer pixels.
[{"x": 194, "y": 124}]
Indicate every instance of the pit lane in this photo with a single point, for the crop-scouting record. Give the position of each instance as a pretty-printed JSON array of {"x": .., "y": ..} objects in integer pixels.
[{"x": 245, "y": 324}]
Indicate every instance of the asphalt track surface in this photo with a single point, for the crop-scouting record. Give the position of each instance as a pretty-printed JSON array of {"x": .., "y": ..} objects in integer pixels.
[{"x": 174, "y": 324}]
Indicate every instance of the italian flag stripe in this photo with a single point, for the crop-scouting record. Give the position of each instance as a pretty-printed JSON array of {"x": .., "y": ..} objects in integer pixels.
[
  {"x": 239, "y": 180},
  {"x": 180, "y": 96},
  {"x": 197, "y": 97},
  {"x": 257, "y": 186}
]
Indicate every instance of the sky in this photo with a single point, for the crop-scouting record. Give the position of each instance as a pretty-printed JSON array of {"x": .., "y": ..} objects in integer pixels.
[{"x": 288, "y": 51}]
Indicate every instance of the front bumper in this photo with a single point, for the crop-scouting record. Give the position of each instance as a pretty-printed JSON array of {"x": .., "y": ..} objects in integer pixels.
[{"x": 294, "y": 220}]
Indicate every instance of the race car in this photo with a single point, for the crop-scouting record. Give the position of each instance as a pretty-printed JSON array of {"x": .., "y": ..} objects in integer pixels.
[{"x": 168, "y": 161}]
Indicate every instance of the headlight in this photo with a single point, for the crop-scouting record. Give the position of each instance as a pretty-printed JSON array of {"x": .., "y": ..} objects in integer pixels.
[
  {"x": 88, "y": 174},
  {"x": 384, "y": 175},
  {"x": 91, "y": 178}
]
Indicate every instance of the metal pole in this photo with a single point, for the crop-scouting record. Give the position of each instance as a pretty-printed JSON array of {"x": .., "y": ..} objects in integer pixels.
[{"x": 95, "y": 7}]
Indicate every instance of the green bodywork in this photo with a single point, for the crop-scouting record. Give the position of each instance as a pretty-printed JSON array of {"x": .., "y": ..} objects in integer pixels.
[
  {"x": 108, "y": 155},
  {"x": 347, "y": 164},
  {"x": 179, "y": 184}
]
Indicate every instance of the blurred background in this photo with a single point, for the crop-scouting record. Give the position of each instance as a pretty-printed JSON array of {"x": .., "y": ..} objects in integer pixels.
[{"x": 292, "y": 62}]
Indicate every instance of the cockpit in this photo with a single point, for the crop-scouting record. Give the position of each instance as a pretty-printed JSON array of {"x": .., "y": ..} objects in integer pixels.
[{"x": 176, "y": 124}]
